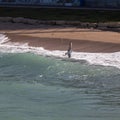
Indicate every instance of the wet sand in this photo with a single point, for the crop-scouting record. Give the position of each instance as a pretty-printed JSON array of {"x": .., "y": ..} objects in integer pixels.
[{"x": 58, "y": 37}]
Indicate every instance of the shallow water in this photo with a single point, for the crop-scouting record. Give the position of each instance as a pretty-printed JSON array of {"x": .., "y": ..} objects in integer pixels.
[{"x": 45, "y": 88}]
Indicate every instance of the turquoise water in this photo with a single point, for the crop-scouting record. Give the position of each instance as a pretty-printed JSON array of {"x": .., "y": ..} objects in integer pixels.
[{"x": 34, "y": 87}]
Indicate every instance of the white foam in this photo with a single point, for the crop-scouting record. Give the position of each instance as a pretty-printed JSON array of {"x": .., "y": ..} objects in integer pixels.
[
  {"x": 106, "y": 59},
  {"x": 3, "y": 38}
]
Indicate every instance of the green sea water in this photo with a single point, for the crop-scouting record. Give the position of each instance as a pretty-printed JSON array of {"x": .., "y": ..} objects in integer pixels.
[{"x": 34, "y": 87}]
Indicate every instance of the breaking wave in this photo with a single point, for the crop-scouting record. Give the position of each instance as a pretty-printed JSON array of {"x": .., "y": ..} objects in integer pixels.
[{"x": 105, "y": 59}]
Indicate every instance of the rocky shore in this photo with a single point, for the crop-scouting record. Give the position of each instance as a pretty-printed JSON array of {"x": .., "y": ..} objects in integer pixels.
[{"x": 112, "y": 26}]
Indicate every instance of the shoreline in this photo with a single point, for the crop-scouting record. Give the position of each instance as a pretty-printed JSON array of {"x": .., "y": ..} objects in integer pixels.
[
  {"x": 62, "y": 44},
  {"x": 58, "y": 37}
]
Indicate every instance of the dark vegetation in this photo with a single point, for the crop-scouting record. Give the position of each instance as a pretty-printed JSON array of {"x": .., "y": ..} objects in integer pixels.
[{"x": 61, "y": 14}]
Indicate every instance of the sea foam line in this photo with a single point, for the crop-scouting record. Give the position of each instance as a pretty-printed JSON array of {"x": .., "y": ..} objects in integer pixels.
[{"x": 105, "y": 59}]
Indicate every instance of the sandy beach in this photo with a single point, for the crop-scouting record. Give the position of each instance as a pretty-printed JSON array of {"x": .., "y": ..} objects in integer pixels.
[{"x": 58, "y": 37}]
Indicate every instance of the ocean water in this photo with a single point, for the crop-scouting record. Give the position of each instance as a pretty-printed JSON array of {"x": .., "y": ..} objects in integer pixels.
[{"x": 36, "y": 84}]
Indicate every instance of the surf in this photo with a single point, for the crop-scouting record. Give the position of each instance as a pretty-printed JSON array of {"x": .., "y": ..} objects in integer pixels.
[
  {"x": 104, "y": 59},
  {"x": 40, "y": 84}
]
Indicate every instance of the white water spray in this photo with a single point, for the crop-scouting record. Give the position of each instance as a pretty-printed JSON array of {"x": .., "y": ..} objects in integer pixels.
[{"x": 106, "y": 59}]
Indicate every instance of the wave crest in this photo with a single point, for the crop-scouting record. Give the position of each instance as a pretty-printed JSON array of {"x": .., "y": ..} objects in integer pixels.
[{"x": 106, "y": 59}]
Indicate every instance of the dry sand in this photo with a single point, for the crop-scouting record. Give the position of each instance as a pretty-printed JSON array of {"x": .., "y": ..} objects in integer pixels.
[{"x": 58, "y": 37}]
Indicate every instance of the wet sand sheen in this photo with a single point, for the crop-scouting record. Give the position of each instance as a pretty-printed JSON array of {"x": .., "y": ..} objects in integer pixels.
[
  {"x": 62, "y": 44},
  {"x": 58, "y": 37}
]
